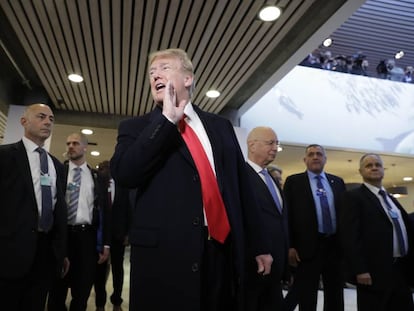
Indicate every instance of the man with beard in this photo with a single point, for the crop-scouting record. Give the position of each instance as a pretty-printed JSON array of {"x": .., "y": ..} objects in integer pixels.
[{"x": 86, "y": 198}]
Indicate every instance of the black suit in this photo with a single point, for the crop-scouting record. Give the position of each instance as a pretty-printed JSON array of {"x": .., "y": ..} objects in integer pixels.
[
  {"x": 25, "y": 270},
  {"x": 367, "y": 237},
  {"x": 167, "y": 231},
  {"x": 265, "y": 293},
  {"x": 319, "y": 255},
  {"x": 83, "y": 252},
  {"x": 121, "y": 216}
]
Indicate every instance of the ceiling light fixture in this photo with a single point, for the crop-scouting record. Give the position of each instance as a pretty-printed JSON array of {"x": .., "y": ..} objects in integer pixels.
[
  {"x": 399, "y": 55},
  {"x": 95, "y": 153},
  {"x": 75, "y": 78},
  {"x": 327, "y": 42},
  {"x": 407, "y": 178},
  {"x": 213, "y": 93},
  {"x": 87, "y": 131},
  {"x": 270, "y": 13}
]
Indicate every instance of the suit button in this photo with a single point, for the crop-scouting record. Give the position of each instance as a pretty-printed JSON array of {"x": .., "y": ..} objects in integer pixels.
[
  {"x": 195, "y": 177},
  {"x": 196, "y": 221},
  {"x": 194, "y": 267}
]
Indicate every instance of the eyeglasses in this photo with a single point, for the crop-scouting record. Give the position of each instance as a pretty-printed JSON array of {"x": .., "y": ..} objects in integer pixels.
[{"x": 271, "y": 143}]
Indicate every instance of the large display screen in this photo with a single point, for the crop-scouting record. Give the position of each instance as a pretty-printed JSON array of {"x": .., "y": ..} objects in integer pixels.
[{"x": 338, "y": 110}]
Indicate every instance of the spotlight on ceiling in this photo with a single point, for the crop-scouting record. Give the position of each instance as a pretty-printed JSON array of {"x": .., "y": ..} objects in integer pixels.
[
  {"x": 270, "y": 13},
  {"x": 95, "y": 153},
  {"x": 213, "y": 93},
  {"x": 399, "y": 55},
  {"x": 327, "y": 42},
  {"x": 75, "y": 78},
  {"x": 87, "y": 131}
]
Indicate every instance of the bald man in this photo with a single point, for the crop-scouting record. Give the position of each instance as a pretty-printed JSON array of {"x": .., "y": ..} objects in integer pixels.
[
  {"x": 265, "y": 292},
  {"x": 32, "y": 225}
]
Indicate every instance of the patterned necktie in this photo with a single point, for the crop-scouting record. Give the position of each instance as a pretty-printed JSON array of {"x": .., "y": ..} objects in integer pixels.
[
  {"x": 394, "y": 217},
  {"x": 218, "y": 224},
  {"x": 73, "y": 198},
  {"x": 46, "y": 218},
  {"x": 326, "y": 214},
  {"x": 271, "y": 187}
]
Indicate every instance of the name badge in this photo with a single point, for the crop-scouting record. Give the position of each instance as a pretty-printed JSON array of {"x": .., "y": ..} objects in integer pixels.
[
  {"x": 45, "y": 180},
  {"x": 393, "y": 214}
]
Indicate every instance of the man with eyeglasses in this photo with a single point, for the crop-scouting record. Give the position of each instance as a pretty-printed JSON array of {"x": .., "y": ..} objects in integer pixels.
[
  {"x": 313, "y": 201},
  {"x": 265, "y": 292}
]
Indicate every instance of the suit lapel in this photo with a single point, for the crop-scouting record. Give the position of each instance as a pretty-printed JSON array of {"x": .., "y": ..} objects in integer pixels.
[
  {"x": 24, "y": 168},
  {"x": 374, "y": 200}
]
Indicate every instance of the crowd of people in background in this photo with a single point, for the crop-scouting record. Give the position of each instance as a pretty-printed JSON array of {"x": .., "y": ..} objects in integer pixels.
[{"x": 358, "y": 64}]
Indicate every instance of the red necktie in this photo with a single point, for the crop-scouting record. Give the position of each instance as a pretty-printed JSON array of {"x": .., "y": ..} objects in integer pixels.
[{"x": 218, "y": 224}]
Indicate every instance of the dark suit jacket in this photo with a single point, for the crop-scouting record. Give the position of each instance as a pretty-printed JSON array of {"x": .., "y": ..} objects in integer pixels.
[
  {"x": 367, "y": 236},
  {"x": 167, "y": 230},
  {"x": 303, "y": 223},
  {"x": 101, "y": 218},
  {"x": 121, "y": 213},
  {"x": 19, "y": 213},
  {"x": 275, "y": 225}
]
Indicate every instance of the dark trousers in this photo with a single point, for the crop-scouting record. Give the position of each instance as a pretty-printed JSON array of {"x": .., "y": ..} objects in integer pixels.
[
  {"x": 325, "y": 263},
  {"x": 30, "y": 291},
  {"x": 218, "y": 292},
  {"x": 265, "y": 295},
  {"x": 83, "y": 260},
  {"x": 117, "y": 265},
  {"x": 397, "y": 295},
  {"x": 101, "y": 276}
]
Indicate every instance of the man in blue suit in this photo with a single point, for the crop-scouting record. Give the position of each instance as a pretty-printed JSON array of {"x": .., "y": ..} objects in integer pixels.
[
  {"x": 265, "y": 293},
  {"x": 313, "y": 199},
  {"x": 33, "y": 250},
  {"x": 182, "y": 256}
]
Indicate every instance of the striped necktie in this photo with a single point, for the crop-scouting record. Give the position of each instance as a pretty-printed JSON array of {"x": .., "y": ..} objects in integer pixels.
[{"x": 73, "y": 197}]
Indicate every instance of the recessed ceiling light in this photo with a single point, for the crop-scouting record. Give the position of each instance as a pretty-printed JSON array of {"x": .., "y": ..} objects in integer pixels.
[
  {"x": 95, "y": 153},
  {"x": 327, "y": 42},
  {"x": 407, "y": 178},
  {"x": 75, "y": 78},
  {"x": 87, "y": 131},
  {"x": 399, "y": 55},
  {"x": 213, "y": 93},
  {"x": 270, "y": 13}
]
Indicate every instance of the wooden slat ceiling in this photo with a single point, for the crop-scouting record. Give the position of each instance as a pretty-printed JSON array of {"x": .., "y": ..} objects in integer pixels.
[{"x": 108, "y": 43}]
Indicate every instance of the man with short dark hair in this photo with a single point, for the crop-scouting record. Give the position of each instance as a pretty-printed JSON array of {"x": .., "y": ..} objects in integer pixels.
[{"x": 313, "y": 201}]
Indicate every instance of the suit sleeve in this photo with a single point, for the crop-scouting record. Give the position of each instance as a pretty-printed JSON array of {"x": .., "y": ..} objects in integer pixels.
[
  {"x": 349, "y": 228},
  {"x": 143, "y": 145}
]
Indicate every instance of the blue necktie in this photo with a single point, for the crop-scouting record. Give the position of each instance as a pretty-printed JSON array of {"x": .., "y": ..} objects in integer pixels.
[
  {"x": 396, "y": 223},
  {"x": 271, "y": 187},
  {"x": 73, "y": 198},
  {"x": 326, "y": 214},
  {"x": 46, "y": 218}
]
